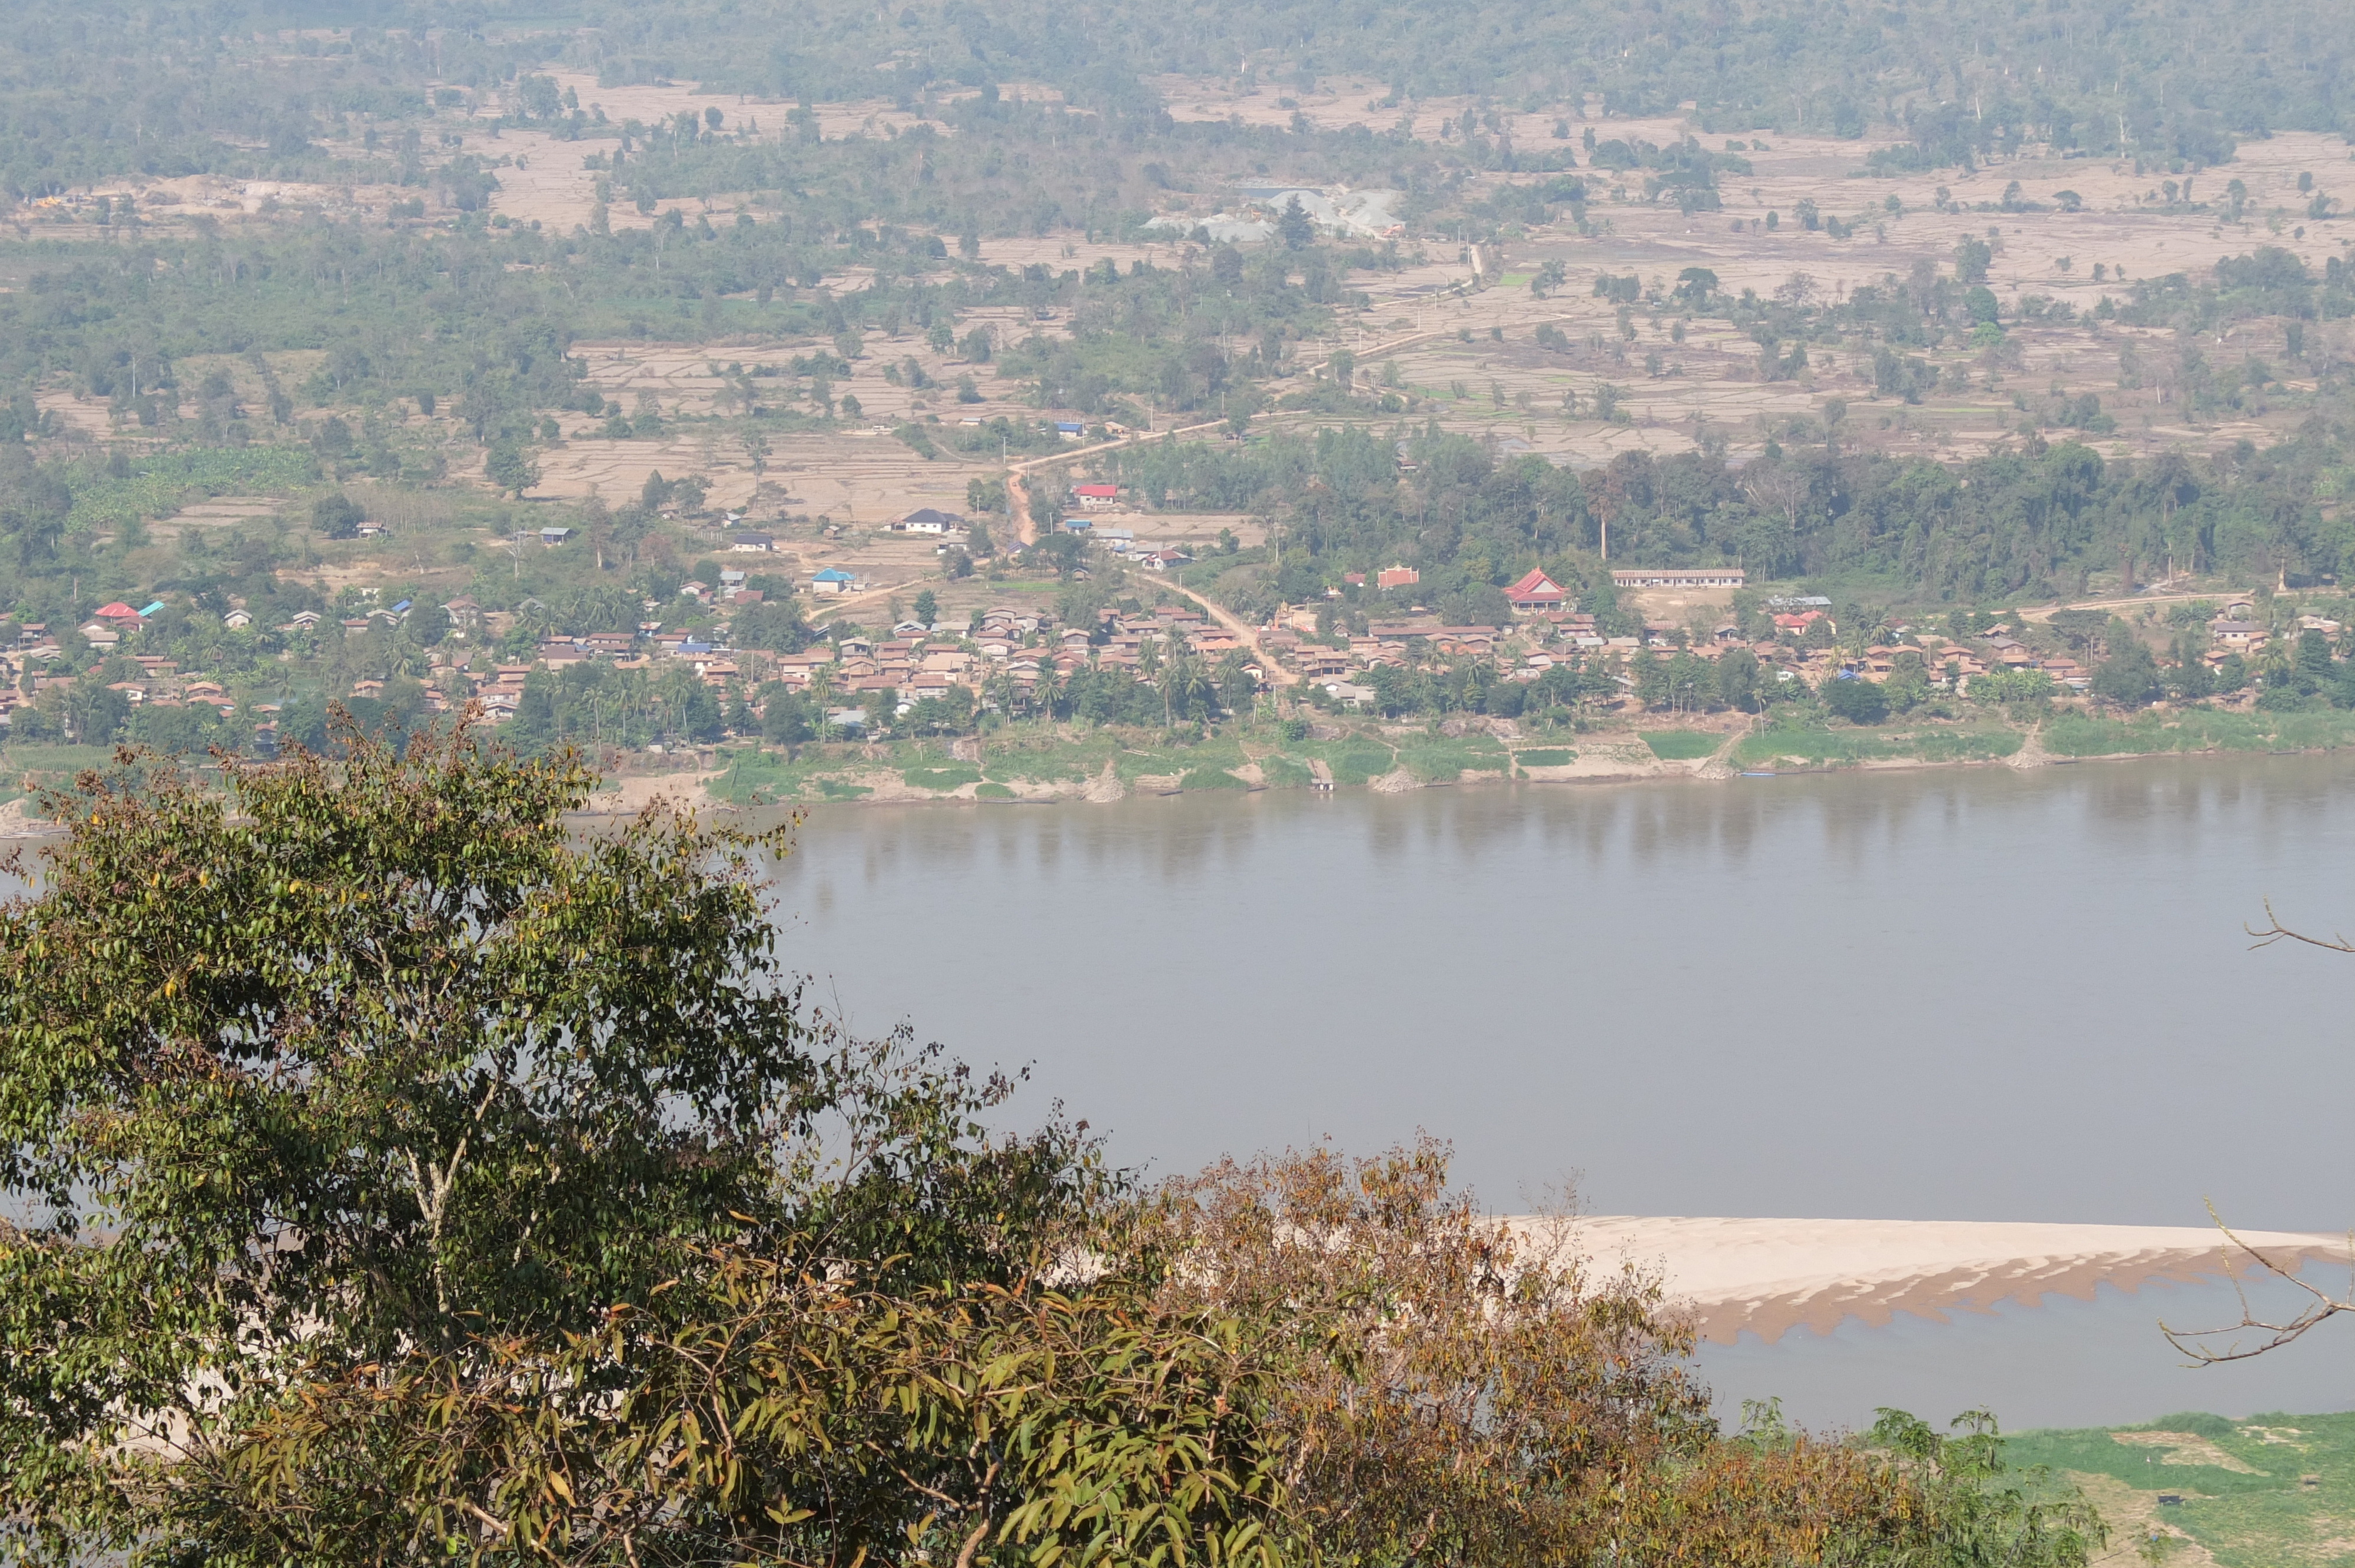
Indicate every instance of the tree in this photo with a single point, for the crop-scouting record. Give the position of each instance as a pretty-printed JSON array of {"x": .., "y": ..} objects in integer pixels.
[
  {"x": 2129, "y": 676},
  {"x": 1295, "y": 226},
  {"x": 427, "y": 624},
  {"x": 369, "y": 1028},
  {"x": 509, "y": 468},
  {"x": 1972, "y": 258},
  {"x": 928, "y": 607},
  {"x": 336, "y": 515},
  {"x": 1857, "y": 700}
]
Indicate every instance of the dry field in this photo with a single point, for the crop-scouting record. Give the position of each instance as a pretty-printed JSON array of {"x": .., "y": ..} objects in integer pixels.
[{"x": 1462, "y": 349}]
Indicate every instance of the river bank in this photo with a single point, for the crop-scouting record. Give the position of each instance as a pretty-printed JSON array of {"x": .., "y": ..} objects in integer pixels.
[{"x": 1098, "y": 767}]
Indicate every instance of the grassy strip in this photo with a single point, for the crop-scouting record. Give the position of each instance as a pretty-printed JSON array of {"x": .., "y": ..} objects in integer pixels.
[
  {"x": 2199, "y": 729},
  {"x": 1822, "y": 748},
  {"x": 1681, "y": 744}
]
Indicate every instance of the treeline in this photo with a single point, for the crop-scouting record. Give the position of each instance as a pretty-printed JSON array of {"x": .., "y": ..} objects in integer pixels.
[
  {"x": 2036, "y": 521},
  {"x": 97, "y": 92},
  {"x": 104, "y": 92},
  {"x": 1961, "y": 80}
]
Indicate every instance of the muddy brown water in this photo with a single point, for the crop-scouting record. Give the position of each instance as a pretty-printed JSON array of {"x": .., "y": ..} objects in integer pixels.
[{"x": 1946, "y": 994}]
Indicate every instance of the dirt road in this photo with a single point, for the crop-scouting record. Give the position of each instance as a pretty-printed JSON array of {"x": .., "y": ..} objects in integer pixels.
[{"x": 1275, "y": 674}]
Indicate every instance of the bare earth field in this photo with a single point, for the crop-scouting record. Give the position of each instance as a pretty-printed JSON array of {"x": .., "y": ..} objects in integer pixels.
[{"x": 1456, "y": 345}]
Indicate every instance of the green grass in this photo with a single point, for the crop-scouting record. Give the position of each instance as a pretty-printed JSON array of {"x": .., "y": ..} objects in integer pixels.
[
  {"x": 1444, "y": 761},
  {"x": 1680, "y": 744},
  {"x": 1286, "y": 773},
  {"x": 993, "y": 792},
  {"x": 1827, "y": 747},
  {"x": 2197, "y": 730},
  {"x": 1210, "y": 779},
  {"x": 2247, "y": 1521},
  {"x": 1552, "y": 757},
  {"x": 956, "y": 776},
  {"x": 758, "y": 778},
  {"x": 1356, "y": 760},
  {"x": 838, "y": 789},
  {"x": 37, "y": 758}
]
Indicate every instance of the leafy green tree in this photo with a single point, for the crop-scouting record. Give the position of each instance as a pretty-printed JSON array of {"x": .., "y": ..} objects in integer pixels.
[
  {"x": 510, "y": 468},
  {"x": 928, "y": 606},
  {"x": 1295, "y": 226},
  {"x": 336, "y": 515},
  {"x": 2129, "y": 676},
  {"x": 321, "y": 1075},
  {"x": 1857, "y": 700},
  {"x": 1737, "y": 680}
]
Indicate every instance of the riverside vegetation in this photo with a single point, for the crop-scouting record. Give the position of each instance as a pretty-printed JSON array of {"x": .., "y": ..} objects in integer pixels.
[{"x": 397, "y": 1177}]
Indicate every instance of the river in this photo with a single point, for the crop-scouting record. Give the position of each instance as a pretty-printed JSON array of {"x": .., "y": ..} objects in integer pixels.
[{"x": 1968, "y": 993}]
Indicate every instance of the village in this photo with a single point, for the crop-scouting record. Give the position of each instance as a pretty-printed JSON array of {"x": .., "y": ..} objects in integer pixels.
[{"x": 1008, "y": 657}]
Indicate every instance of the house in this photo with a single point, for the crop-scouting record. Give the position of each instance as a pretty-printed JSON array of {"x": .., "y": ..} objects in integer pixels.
[
  {"x": 99, "y": 635},
  {"x": 1096, "y": 497},
  {"x": 1076, "y": 525},
  {"x": 928, "y": 520},
  {"x": 1354, "y": 579},
  {"x": 1797, "y": 624},
  {"x": 1656, "y": 576},
  {"x": 1397, "y": 576},
  {"x": 118, "y": 614},
  {"x": 1162, "y": 560},
  {"x": 2231, "y": 633},
  {"x": 1071, "y": 428},
  {"x": 1535, "y": 591},
  {"x": 753, "y": 543},
  {"x": 832, "y": 580},
  {"x": 609, "y": 641},
  {"x": 552, "y": 535},
  {"x": 237, "y": 621},
  {"x": 306, "y": 621}
]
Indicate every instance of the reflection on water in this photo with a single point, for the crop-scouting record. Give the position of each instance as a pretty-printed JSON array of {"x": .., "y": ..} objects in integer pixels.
[
  {"x": 1967, "y": 994},
  {"x": 1971, "y": 994}
]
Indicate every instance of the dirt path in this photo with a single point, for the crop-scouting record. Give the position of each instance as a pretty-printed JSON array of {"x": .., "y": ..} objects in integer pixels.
[
  {"x": 2046, "y": 612},
  {"x": 1017, "y": 503},
  {"x": 1276, "y": 675},
  {"x": 1719, "y": 764},
  {"x": 2032, "y": 752}
]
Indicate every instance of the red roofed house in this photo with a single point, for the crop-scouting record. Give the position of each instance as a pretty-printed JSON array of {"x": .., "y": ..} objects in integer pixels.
[
  {"x": 1397, "y": 576},
  {"x": 119, "y": 614},
  {"x": 1096, "y": 495},
  {"x": 1535, "y": 591}
]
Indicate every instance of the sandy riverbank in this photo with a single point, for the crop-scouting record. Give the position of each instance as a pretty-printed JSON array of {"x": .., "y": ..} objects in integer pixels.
[{"x": 1769, "y": 1277}]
